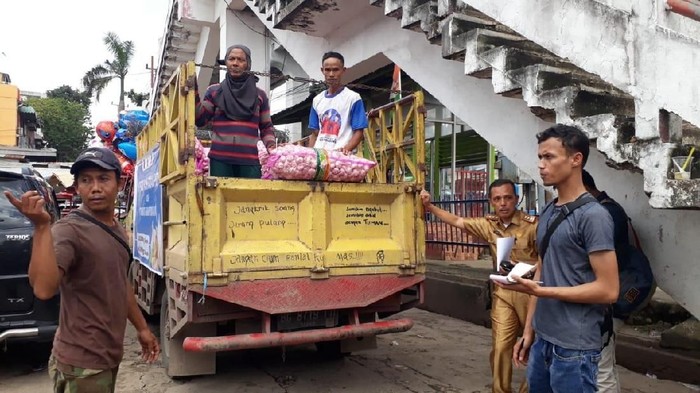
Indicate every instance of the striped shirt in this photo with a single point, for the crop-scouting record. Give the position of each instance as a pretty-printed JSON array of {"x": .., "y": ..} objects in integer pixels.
[{"x": 235, "y": 142}]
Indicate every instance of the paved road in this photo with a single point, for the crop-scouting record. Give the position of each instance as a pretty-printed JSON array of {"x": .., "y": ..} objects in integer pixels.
[{"x": 440, "y": 354}]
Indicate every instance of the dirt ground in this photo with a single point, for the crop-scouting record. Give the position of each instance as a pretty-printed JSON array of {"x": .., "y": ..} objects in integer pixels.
[{"x": 440, "y": 354}]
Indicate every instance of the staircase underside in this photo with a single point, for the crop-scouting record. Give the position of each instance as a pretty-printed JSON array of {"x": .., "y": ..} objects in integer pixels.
[
  {"x": 515, "y": 87},
  {"x": 552, "y": 87}
]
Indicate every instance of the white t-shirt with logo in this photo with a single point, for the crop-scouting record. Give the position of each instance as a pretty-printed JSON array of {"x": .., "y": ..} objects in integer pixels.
[{"x": 336, "y": 117}]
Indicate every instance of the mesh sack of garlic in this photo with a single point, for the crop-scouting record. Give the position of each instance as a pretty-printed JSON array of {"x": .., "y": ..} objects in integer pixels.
[{"x": 291, "y": 162}]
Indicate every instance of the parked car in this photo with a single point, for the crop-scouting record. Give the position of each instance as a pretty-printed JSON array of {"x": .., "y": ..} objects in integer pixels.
[{"x": 22, "y": 316}]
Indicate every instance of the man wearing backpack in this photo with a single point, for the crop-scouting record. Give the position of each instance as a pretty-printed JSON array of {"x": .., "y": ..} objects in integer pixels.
[
  {"x": 578, "y": 271},
  {"x": 608, "y": 381}
]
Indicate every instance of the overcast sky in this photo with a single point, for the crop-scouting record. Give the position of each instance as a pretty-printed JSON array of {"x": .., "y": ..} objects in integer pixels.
[{"x": 47, "y": 43}]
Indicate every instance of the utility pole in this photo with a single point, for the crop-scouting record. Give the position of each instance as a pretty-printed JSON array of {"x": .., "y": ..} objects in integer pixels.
[{"x": 152, "y": 73}]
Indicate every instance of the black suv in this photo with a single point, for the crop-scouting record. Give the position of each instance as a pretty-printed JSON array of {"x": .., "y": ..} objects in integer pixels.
[{"x": 22, "y": 316}]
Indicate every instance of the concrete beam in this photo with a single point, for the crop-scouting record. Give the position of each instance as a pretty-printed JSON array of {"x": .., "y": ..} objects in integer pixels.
[
  {"x": 206, "y": 53},
  {"x": 197, "y": 12}
]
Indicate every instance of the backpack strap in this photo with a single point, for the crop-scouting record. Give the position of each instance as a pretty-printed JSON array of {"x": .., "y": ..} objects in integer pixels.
[
  {"x": 107, "y": 229},
  {"x": 565, "y": 211}
]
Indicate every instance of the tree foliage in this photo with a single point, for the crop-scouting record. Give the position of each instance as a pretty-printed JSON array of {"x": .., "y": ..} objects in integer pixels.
[
  {"x": 70, "y": 94},
  {"x": 101, "y": 75},
  {"x": 63, "y": 124},
  {"x": 137, "y": 98}
]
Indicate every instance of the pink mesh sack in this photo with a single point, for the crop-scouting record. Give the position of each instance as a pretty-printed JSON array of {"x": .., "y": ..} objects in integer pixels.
[
  {"x": 201, "y": 166},
  {"x": 290, "y": 162}
]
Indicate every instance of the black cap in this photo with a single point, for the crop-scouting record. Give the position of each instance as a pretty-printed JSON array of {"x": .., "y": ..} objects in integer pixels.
[{"x": 96, "y": 156}]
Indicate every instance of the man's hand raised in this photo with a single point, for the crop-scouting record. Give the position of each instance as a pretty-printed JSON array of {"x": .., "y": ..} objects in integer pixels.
[{"x": 32, "y": 205}]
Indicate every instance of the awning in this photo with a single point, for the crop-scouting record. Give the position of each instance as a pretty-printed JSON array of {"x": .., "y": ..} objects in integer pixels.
[{"x": 27, "y": 114}]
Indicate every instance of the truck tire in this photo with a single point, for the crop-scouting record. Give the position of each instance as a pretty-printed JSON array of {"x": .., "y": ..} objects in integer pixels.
[
  {"x": 133, "y": 270},
  {"x": 164, "y": 330},
  {"x": 178, "y": 363}
]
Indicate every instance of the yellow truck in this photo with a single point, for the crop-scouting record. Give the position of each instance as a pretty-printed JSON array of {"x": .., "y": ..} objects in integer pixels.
[{"x": 234, "y": 264}]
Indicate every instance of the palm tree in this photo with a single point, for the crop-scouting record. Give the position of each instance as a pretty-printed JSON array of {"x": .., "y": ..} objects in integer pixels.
[{"x": 100, "y": 75}]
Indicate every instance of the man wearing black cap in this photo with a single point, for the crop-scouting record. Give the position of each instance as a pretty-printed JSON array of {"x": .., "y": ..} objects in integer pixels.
[
  {"x": 239, "y": 113},
  {"x": 89, "y": 265}
]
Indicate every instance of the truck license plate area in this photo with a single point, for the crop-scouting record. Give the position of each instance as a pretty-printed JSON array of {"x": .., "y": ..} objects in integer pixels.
[{"x": 307, "y": 319}]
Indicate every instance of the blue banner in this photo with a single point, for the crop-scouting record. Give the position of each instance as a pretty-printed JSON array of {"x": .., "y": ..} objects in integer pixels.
[{"x": 148, "y": 212}]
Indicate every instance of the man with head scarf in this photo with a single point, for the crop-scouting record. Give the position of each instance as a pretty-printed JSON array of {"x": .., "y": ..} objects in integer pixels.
[{"x": 239, "y": 113}]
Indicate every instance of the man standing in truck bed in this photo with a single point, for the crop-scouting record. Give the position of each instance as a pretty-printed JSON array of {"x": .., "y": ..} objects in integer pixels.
[
  {"x": 239, "y": 113},
  {"x": 509, "y": 308},
  {"x": 89, "y": 265},
  {"x": 337, "y": 119}
]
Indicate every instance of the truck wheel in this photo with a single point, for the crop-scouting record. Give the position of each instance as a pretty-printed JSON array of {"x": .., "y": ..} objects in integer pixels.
[
  {"x": 133, "y": 270},
  {"x": 178, "y": 363},
  {"x": 330, "y": 350},
  {"x": 165, "y": 330}
]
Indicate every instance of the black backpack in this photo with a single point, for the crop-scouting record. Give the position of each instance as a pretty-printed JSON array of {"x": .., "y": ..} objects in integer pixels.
[{"x": 637, "y": 283}]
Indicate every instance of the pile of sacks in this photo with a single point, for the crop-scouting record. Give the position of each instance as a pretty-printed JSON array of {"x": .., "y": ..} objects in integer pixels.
[
  {"x": 290, "y": 162},
  {"x": 201, "y": 163}
]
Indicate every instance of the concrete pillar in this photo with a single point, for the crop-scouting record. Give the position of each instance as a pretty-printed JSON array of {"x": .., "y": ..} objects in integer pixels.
[
  {"x": 207, "y": 51},
  {"x": 243, "y": 27}
]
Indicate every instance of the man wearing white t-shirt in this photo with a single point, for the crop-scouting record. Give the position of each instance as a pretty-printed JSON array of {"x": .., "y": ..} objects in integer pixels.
[{"x": 337, "y": 119}]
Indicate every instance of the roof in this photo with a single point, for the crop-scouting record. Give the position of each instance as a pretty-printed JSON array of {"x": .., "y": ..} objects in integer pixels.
[
  {"x": 57, "y": 176},
  {"x": 20, "y": 153}
]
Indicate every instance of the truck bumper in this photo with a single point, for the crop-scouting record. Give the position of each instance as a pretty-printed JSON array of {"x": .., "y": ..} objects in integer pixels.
[
  {"x": 37, "y": 332},
  {"x": 265, "y": 340}
]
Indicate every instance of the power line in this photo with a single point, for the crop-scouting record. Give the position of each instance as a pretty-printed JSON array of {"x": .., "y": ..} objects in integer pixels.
[
  {"x": 308, "y": 80},
  {"x": 292, "y": 91}
]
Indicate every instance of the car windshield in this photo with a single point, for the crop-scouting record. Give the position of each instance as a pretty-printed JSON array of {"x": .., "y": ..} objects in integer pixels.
[{"x": 9, "y": 215}]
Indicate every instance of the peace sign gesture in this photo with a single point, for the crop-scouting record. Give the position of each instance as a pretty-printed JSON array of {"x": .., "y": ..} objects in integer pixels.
[{"x": 31, "y": 205}]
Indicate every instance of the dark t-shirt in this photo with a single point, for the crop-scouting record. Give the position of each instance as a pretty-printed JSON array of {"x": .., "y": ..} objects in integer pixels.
[
  {"x": 93, "y": 291},
  {"x": 566, "y": 264}
]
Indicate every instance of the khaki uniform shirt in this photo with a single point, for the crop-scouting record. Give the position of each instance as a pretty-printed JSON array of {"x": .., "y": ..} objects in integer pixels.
[{"x": 523, "y": 228}]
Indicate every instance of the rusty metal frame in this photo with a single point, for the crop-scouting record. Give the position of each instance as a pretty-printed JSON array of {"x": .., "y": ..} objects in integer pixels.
[{"x": 393, "y": 129}]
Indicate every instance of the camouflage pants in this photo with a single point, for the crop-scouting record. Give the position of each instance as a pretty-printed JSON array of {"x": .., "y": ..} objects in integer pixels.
[{"x": 69, "y": 379}]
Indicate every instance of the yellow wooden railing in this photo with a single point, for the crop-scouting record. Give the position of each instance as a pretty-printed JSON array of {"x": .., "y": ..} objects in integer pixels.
[
  {"x": 173, "y": 125},
  {"x": 395, "y": 139}
]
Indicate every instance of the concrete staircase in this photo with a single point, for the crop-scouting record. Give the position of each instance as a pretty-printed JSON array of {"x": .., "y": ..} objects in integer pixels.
[
  {"x": 622, "y": 70},
  {"x": 556, "y": 89},
  {"x": 179, "y": 45}
]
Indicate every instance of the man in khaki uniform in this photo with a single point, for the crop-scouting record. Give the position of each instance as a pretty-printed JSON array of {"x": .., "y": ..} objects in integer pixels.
[{"x": 508, "y": 308}]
